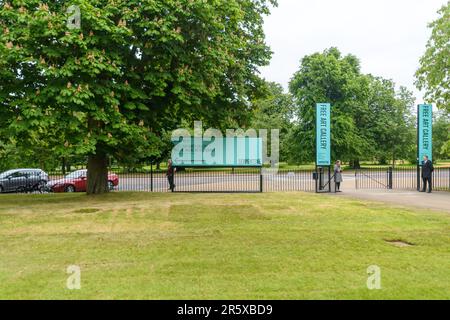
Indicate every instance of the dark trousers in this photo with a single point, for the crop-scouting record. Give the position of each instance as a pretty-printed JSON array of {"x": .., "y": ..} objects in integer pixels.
[
  {"x": 338, "y": 186},
  {"x": 171, "y": 183},
  {"x": 425, "y": 182}
]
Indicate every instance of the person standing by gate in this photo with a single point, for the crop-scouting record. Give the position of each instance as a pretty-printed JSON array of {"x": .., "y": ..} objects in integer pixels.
[
  {"x": 170, "y": 175},
  {"x": 427, "y": 173},
  {"x": 338, "y": 175}
]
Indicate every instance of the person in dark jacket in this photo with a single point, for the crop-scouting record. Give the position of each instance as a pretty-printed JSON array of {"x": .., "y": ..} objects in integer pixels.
[
  {"x": 170, "y": 175},
  {"x": 427, "y": 174}
]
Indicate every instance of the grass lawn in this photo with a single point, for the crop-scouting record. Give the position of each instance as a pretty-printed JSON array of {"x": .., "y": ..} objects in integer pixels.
[{"x": 197, "y": 246}]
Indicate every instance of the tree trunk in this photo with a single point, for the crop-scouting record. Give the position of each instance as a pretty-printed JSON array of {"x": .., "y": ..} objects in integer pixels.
[
  {"x": 97, "y": 177},
  {"x": 355, "y": 164}
]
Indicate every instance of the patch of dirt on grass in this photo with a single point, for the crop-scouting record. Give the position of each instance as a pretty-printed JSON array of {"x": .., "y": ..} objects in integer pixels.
[
  {"x": 86, "y": 210},
  {"x": 276, "y": 207},
  {"x": 400, "y": 243},
  {"x": 91, "y": 227},
  {"x": 215, "y": 212}
]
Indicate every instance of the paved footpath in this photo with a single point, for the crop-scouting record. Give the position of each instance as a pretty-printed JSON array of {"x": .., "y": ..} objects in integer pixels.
[{"x": 439, "y": 201}]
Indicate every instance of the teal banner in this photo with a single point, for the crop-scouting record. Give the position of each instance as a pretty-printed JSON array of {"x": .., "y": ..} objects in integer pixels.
[
  {"x": 323, "y": 134},
  {"x": 425, "y": 127},
  {"x": 217, "y": 152}
]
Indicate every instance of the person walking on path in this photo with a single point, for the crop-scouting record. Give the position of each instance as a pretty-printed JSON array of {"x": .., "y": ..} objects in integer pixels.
[
  {"x": 427, "y": 174},
  {"x": 338, "y": 176},
  {"x": 170, "y": 175}
]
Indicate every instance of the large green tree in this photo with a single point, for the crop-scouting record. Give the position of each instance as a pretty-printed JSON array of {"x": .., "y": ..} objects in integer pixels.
[
  {"x": 390, "y": 122},
  {"x": 330, "y": 77},
  {"x": 370, "y": 119},
  {"x": 130, "y": 72},
  {"x": 434, "y": 72}
]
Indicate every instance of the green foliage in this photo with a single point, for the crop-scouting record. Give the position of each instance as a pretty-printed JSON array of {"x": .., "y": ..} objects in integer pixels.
[
  {"x": 275, "y": 111},
  {"x": 131, "y": 73},
  {"x": 370, "y": 120},
  {"x": 434, "y": 76},
  {"x": 329, "y": 77},
  {"x": 390, "y": 122},
  {"x": 441, "y": 136},
  {"x": 434, "y": 72}
]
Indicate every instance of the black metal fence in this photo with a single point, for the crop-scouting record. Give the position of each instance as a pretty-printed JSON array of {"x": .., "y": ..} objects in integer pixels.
[
  {"x": 219, "y": 180},
  {"x": 441, "y": 179},
  {"x": 400, "y": 178},
  {"x": 251, "y": 180},
  {"x": 146, "y": 179},
  {"x": 404, "y": 178}
]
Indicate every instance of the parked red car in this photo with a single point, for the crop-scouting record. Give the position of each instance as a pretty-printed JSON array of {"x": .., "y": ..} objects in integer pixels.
[{"x": 76, "y": 182}]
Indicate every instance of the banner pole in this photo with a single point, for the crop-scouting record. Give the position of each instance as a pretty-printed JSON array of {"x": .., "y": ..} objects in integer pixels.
[
  {"x": 329, "y": 179},
  {"x": 323, "y": 145},
  {"x": 315, "y": 155},
  {"x": 151, "y": 177},
  {"x": 424, "y": 137},
  {"x": 418, "y": 151}
]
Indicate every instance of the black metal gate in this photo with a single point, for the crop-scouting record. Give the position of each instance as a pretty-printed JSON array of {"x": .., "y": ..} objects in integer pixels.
[
  {"x": 374, "y": 178},
  {"x": 323, "y": 179},
  {"x": 400, "y": 178}
]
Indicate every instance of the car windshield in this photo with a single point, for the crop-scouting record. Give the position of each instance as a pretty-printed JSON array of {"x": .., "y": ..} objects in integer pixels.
[
  {"x": 5, "y": 174},
  {"x": 76, "y": 174}
]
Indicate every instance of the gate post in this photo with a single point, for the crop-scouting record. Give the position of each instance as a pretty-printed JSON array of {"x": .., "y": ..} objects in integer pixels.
[
  {"x": 151, "y": 177},
  {"x": 320, "y": 178},
  {"x": 390, "y": 178},
  {"x": 329, "y": 180},
  {"x": 261, "y": 180},
  {"x": 316, "y": 179},
  {"x": 418, "y": 176}
]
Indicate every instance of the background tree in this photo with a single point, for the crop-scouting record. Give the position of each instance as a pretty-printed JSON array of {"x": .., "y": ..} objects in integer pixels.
[
  {"x": 330, "y": 77},
  {"x": 133, "y": 70},
  {"x": 441, "y": 136},
  {"x": 390, "y": 122},
  {"x": 275, "y": 111},
  {"x": 434, "y": 72},
  {"x": 370, "y": 120}
]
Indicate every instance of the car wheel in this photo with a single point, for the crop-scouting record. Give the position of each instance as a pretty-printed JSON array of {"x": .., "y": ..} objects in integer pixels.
[
  {"x": 40, "y": 186},
  {"x": 21, "y": 190},
  {"x": 110, "y": 185},
  {"x": 70, "y": 188}
]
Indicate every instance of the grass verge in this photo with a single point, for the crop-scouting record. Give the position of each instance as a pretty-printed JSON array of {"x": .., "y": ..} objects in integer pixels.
[{"x": 208, "y": 246}]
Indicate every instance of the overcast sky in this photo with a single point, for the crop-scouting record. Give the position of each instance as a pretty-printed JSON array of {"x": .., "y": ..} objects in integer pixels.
[{"x": 388, "y": 36}]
